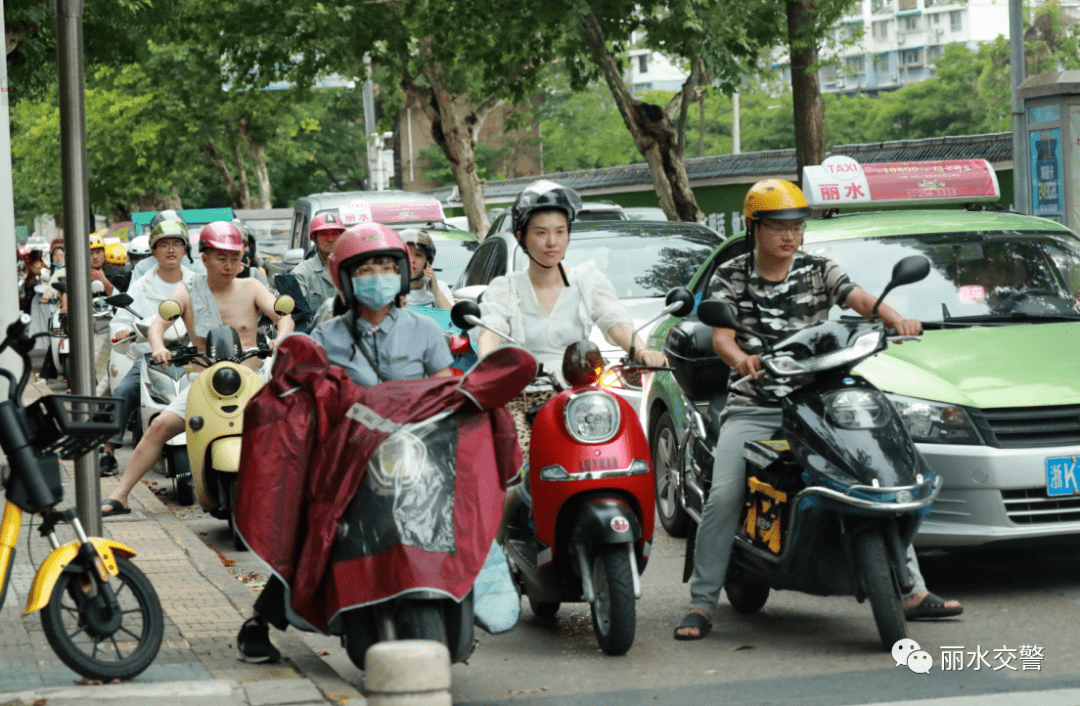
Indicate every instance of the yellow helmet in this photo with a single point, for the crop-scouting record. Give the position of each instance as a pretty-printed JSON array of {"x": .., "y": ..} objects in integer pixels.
[
  {"x": 96, "y": 241},
  {"x": 115, "y": 254},
  {"x": 775, "y": 198}
]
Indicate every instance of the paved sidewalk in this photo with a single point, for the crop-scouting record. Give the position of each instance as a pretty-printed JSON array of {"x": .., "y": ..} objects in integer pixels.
[{"x": 204, "y": 606}]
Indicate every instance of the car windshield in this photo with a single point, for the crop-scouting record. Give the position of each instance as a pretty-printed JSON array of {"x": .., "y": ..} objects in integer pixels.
[
  {"x": 452, "y": 252},
  {"x": 271, "y": 236},
  {"x": 640, "y": 261},
  {"x": 972, "y": 276}
]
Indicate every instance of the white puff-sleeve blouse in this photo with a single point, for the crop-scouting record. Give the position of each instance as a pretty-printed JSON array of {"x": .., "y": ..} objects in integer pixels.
[{"x": 510, "y": 306}]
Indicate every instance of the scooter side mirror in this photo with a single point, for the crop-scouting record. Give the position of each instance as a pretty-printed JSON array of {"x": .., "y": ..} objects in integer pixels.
[
  {"x": 462, "y": 309},
  {"x": 911, "y": 269},
  {"x": 681, "y": 296},
  {"x": 60, "y": 285},
  {"x": 169, "y": 310},
  {"x": 96, "y": 287},
  {"x": 284, "y": 305},
  {"x": 120, "y": 300},
  {"x": 718, "y": 315}
]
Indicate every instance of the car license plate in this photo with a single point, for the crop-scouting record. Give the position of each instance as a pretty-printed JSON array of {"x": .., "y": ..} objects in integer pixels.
[{"x": 1061, "y": 476}]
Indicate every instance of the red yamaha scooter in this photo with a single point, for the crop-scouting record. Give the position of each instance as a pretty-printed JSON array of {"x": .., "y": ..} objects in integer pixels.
[{"x": 588, "y": 534}]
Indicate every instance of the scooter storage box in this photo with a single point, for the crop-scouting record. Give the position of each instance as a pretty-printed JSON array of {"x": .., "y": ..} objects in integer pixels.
[
  {"x": 701, "y": 373},
  {"x": 772, "y": 479}
]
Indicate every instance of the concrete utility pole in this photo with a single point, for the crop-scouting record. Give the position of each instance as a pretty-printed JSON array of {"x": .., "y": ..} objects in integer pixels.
[
  {"x": 69, "y": 55},
  {"x": 1021, "y": 157},
  {"x": 8, "y": 278}
]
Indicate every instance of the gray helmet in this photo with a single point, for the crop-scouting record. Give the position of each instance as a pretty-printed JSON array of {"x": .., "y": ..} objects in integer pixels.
[
  {"x": 544, "y": 195},
  {"x": 166, "y": 215}
]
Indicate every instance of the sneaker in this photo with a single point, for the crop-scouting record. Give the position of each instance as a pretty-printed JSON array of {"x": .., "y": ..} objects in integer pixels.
[
  {"x": 253, "y": 642},
  {"x": 108, "y": 465}
]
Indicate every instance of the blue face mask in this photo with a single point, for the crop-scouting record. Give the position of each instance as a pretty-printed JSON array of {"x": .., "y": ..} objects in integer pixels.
[{"x": 376, "y": 291}]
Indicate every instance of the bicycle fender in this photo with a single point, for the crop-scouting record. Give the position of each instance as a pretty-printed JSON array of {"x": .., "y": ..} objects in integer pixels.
[
  {"x": 225, "y": 454},
  {"x": 49, "y": 572}
]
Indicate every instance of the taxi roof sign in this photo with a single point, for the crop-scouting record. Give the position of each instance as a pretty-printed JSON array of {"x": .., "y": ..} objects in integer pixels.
[{"x": 841, "y": 182}]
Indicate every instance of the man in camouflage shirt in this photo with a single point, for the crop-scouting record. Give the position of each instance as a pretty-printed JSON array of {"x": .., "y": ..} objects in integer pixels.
[{"x": 785, "y": 290}]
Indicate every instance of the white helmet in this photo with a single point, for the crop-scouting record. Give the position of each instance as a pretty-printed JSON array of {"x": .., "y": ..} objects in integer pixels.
[{"x": 139, "y": 246}]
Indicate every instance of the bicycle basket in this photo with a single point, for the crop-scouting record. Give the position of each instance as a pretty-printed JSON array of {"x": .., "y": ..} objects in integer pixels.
[{"x": 72, "y": 426}]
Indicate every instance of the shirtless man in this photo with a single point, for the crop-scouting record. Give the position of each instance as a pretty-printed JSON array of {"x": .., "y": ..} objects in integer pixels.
[{"x": 216, "y": 299}]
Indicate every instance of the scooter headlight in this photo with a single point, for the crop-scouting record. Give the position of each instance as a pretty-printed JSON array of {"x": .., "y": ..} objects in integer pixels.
[
  {"x": 856, "y": 409},
  {"x": 592, "y": 416},
  {"x": 399, "y": 461},
  {"x": 162, "y": 388},
  {"x": 226, "y": 382}
]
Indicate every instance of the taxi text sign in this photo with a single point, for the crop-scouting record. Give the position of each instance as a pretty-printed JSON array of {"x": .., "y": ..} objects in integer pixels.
[{"x": 840, "y": 182}]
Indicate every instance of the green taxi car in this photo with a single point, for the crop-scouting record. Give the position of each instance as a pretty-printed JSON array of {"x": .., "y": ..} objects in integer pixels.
[{"x": 991, "y": 395}]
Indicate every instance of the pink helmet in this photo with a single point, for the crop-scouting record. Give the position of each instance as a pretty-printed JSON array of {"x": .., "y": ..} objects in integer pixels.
[
  {"x": 326, "y": 221},
  {"x": 361, "y": 242},
  {"x": 221, "y": 235}
]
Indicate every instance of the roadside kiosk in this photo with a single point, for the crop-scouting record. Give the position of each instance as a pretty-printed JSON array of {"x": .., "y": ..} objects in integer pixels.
[{"x": 1052, "y": 112}]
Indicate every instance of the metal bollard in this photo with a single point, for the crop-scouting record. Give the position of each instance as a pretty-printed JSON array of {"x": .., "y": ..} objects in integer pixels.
[{"x": 407, "y": 673}]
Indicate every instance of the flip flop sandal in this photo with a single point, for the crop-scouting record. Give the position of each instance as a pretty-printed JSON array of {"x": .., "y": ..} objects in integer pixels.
[
  {"x": 697, "y": 621},
  {"x": 116, "y": 508},
  {"x": 932, "y": 607}
]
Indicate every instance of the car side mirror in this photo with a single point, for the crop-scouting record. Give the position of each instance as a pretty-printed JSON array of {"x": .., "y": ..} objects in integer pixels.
[{"x": 169, "y": 310}]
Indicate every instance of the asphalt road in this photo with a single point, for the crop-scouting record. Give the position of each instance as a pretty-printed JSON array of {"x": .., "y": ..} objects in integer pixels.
[{"x": 798, "y": 650}]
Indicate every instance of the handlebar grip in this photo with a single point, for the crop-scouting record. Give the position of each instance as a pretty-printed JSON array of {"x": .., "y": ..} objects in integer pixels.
[
  {"x": 901, "y": 339},
  {"x": 742, "y": 380}
]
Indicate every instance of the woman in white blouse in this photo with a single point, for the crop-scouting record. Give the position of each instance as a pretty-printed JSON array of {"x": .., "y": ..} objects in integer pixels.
[{"x": 547, "y": 307}]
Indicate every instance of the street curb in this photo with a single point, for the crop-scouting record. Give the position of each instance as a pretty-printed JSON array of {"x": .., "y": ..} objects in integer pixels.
[{"x": 209, "y": 565}]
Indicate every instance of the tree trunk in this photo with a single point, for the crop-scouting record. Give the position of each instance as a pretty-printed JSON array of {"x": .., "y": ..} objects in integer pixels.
[
  {"x": 652, "y": 128},
  {"x": 805, "y": 89},
  {"x": 258, "y": 155},
  {"x": 211, "y": 151},
  {"x": 456, "y": 135}
]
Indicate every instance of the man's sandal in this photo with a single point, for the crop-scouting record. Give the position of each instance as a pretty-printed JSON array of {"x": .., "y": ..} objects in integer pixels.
[
  {"x": 115, "y": 508},
  {"x": 695, "y": 621},
  {"x": 932, "y": 607}
]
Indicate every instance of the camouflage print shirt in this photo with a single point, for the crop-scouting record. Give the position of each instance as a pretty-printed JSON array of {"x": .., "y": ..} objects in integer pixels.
[{"x": 813, "y": 286}]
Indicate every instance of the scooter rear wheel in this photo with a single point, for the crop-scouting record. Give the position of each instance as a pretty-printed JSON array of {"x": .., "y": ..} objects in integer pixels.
[
  {"x": 94, "y": 641},
  {"x": 544, "y": 609},
  {"x": 614, "y": 608},
  {"x": 872, "y": 558}
]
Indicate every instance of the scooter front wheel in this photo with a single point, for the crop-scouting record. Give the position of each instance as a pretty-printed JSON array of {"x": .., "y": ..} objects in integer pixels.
[
  {"x": 872, "y": 558},
  {"x": 97, "y": 641},
  {"x": 613, "y": 609}
]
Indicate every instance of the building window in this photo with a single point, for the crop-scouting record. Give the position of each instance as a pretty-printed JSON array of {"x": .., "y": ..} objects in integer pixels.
[
  {"x": 955, "y": 19},
  {"x": 828, "y": 74},
  {"x": 936, "y": 19},
  {"x": 911, "y": 22},
  {"x": 906, "y": 5},
  {"x": 643, "y": 63},
  {"x": 934, "y": 52},
  {"x": 856, "y": 10},
  {"x": 928, "y": 3},
  {"x": 881, "y": 29},
  {"x": 911, "y": 57},
  {"x": 855, "y": 65},
  {"x": 880, "y": 6}
]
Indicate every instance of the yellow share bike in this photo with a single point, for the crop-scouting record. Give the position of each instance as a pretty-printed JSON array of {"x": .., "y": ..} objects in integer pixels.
[{"x": 99, "y": 612}]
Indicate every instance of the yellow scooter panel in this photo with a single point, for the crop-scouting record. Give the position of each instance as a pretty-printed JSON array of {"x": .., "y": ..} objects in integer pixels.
[
  {"x": 49, "y": 572},
  {"x": 225, "y": 454},
  {"x": 220, "y": 415}
]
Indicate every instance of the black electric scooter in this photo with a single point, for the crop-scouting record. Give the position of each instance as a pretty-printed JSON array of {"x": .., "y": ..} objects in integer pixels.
[{"x": 834, "y": 501}]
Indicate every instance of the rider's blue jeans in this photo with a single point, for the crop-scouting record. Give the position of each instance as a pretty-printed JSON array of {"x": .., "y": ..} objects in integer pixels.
[{"x": 128, "y": 391}]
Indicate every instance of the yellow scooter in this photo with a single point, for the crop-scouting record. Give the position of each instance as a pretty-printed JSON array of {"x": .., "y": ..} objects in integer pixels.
[
  {"x": 100, "y": 613},
  {"x": 215, "y": 412}
]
